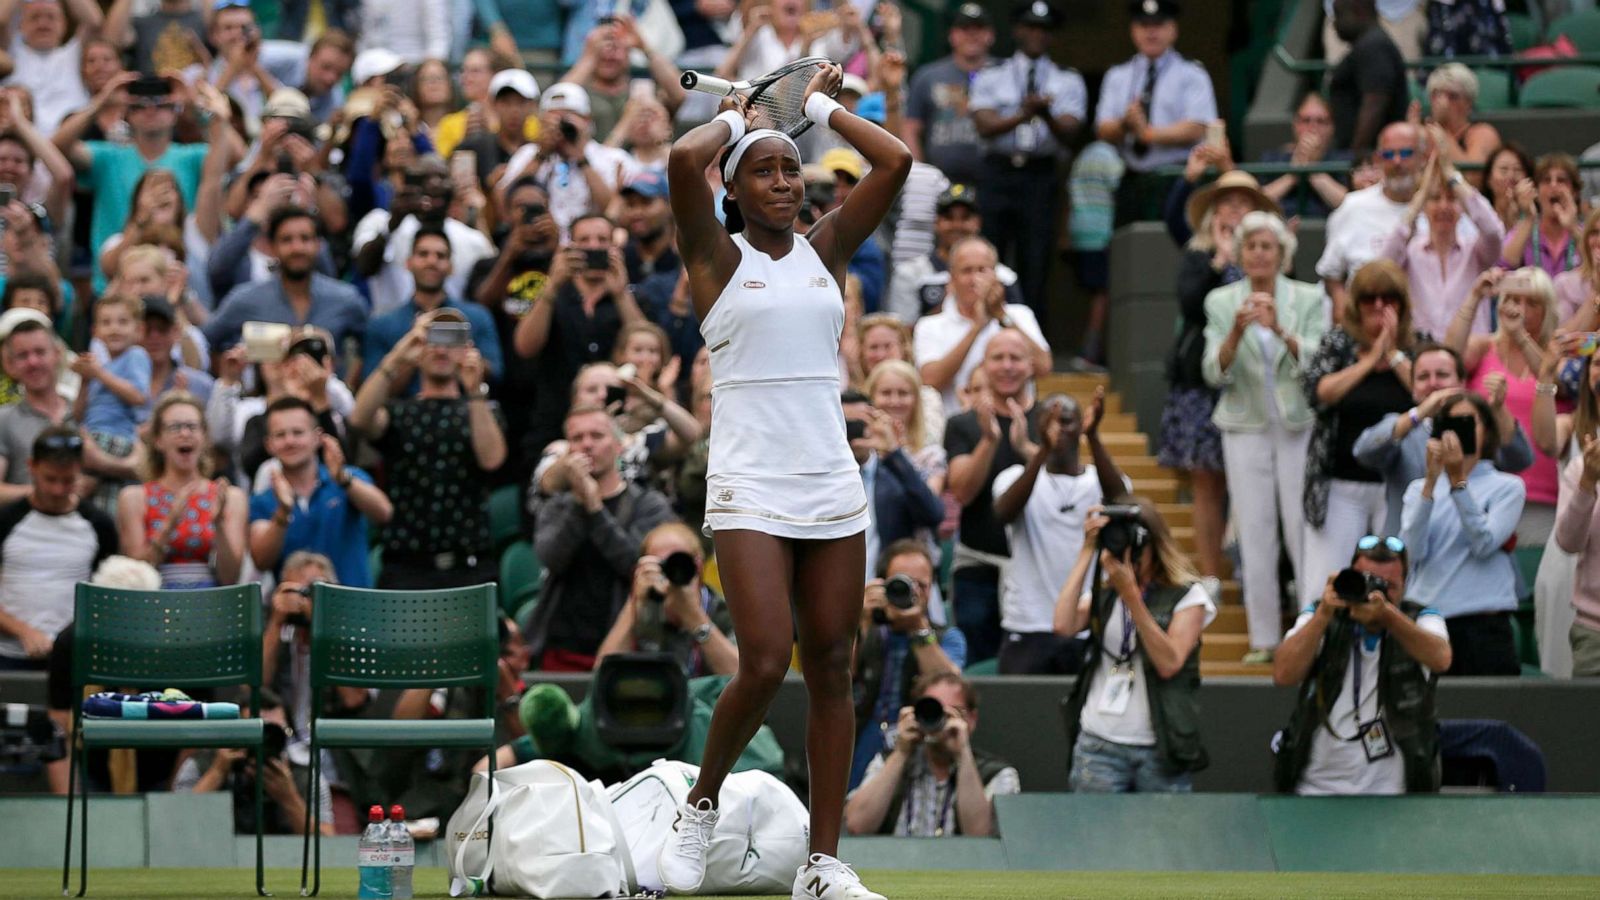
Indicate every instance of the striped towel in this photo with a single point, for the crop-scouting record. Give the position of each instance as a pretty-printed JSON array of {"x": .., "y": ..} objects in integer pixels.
[{"x": 167, "y": 704}]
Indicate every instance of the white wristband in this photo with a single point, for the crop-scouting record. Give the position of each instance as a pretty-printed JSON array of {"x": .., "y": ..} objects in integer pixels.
[
  {"x": 735, "y": 123},
  {"x": 819, "y": 107}
]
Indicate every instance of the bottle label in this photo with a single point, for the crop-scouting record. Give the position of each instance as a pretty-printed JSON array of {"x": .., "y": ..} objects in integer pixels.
[
  {"x": 368, "y": 856},
  {"x": 403, "y": 857}
]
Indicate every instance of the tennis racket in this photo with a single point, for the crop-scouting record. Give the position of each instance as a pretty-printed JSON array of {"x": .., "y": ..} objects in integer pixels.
[{"x": 778, "y": 97}]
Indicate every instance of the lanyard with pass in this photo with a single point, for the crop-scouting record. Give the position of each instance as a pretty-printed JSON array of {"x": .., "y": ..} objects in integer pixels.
[{"x": 1373, "y": 734}]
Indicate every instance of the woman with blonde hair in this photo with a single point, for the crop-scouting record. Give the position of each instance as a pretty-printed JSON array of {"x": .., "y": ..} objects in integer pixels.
[
  {"x": 1452, "y": 93},
  {"x": 190, "y": 527},
  {"x": 1514, "y": 353},
  {"x": 1360, "y": 373},
  {"x": 1577, "y": 289},
  {"x": 880, "y": 337}
]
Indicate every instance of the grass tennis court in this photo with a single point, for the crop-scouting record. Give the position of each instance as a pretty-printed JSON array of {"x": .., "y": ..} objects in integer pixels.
[{"x": 139, "y": 884}]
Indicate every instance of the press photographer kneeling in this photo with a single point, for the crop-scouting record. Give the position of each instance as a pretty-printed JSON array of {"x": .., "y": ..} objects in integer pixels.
[
  {"x": 1366, "y": 660},
  {"x": 1134, "y": 715},
  {"x": 933, "y": 782}
]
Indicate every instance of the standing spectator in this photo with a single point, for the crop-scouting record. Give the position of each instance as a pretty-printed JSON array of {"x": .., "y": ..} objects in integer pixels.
[
  {"x": 512, "y": 98},
  {"x": 429, "y": 265},
  {"x": 1383, "y": 639},
  {"x": 1442, "y": 264},
  {"x": 1154, "y": 107},
  {"x": 604, "y": 72},
  {"x": 297, "y": 294},
  {"x": 1459, "y": 563},
  {"x": 49, "y": 542},
  {"x": 46, "y": 57},
  {"x": 1578, "y": 532},
  {"x": 383, "y": 239},
  {"x": 115, "y": 393},
  {"x": 575, "y": 320},
  {"x": 918, "y": 286},
  {"x": 1260, "y": 332},
  {"x": 1358, "y": 228},
  {"x": 950, "y": 345},
  {"x": 321, "y": 506},
  {"x": 440, "y": 447},
  {"x": 1405, "y": 21},
  {"x": 1452, "y": 93},
  {"x": 1505, "y": 168},
  {"x": 169, "y": 38},
  {"x": 652, "y": 237},
  {"x": 1545, "y": 233},
  {"x": 938, "y": 127},
  {"x": 1044, "y": 505},
  {"x": 1368, "y": 88},
  {"x": 1361, "y": 372},
  {"x": 327, "y": 64},
  {"x": 980, "y": 447},
  {"x": 1027, "y": 110},
  {"x": 30, "y": 161},
  {"x": 901, "y": 501},
  {"x": 1309, "y": 196},
  {"x": 478, "y": 69},
  {"x": 588, "y": 540},
  {"x": 525, "y": 29},
  {"x": 579, "y": 173},
  {"x": 246, "y": 68},
  {"x": 414, "y": 29},
  {"x": 1577, "y": 288},
  {"x": 191, "y": 528},
  {"x": 168, "y": 372}
]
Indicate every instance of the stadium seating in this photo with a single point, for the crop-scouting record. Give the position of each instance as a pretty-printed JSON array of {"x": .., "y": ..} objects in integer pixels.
[
  {"x": 1582, "y": 28},
  {"x": 1563, "y": 86},
  {"x": 505, "y": 516},
  {"x": 521, "y": 577}
]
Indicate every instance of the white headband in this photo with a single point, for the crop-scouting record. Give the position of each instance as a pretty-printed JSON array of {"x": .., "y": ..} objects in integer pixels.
[{"x": 745, "y": 143}]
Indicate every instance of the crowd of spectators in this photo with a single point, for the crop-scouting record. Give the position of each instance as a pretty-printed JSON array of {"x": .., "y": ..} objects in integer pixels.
[{"x": 283, "y": 282}]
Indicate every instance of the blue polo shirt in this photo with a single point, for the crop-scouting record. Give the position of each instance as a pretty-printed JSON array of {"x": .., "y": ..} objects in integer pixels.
[
  {"x": 326, "y": 523},
  {"x": 386, "y": 330}
]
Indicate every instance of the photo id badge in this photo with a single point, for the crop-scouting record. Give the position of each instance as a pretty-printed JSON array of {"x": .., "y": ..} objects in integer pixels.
[
  {"x": 1114, "y": 702},
  {"x": 1375, "y": 740}
]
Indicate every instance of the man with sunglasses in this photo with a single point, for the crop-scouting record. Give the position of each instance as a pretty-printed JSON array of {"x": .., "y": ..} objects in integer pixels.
[
  {"x": 1366, "y": 661},
  {"x": 48, "y": 543}
]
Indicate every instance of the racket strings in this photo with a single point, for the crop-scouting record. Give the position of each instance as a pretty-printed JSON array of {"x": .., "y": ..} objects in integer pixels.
[{"x": 781, "y": 104}]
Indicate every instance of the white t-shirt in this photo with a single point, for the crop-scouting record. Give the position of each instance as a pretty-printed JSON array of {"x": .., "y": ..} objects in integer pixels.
[
  {"x": 53, "y": 79},
  {"x": 393, "y": 285},
  {"x": 566, "y": 186},
  {"x": 1358, "y": 228},
  {"x": 1132, "y": 726},
  {"x": 1340, "y": 766},
  {"x": 937, "y": 334},
  {"x": 41, "y": 557},
  {"x": 1045, "y": 540}
]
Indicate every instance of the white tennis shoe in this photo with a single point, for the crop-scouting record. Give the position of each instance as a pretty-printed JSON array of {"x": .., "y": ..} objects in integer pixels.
[
  {"x": 682, "y": 862},
  {"x": 826, "y": 878}
]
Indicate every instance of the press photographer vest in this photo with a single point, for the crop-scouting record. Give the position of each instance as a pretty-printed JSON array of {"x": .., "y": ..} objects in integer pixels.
[
  {"x": 988, "y": 765},
  {"x": 1174, "y": 702},
  {"x": 1405, "y": 696}
]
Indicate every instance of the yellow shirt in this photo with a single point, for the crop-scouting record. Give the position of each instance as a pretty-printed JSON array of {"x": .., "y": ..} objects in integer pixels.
[{"x": 452, "y": 130}]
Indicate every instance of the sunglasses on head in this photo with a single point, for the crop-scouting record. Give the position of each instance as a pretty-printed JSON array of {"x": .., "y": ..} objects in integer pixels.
[
  {"x": 1402, "y": 153},
  {"x": 1375, "y": 546},
  {"x": 62, "y": 443}
]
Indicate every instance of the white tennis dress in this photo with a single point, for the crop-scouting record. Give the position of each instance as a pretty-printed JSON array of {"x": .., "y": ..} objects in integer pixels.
[{"x": 780, "y": 463}]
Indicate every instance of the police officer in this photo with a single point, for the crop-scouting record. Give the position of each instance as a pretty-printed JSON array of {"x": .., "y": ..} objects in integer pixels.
[
  {"x": 1154, "y": 107},
  {"x": 1027, "y": 109}
]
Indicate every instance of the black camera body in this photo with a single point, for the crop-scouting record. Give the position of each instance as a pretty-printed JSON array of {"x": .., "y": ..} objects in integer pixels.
[
  {"x": 1355, "y": 586},
  {"x": 1125, "y": 534},
  {"x": 679, "y": 569},
  {"x": 901, "y": 592}
]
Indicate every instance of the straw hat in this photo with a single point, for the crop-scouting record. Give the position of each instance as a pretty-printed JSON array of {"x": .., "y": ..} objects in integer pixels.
[{"x": 1231, "y": 180}]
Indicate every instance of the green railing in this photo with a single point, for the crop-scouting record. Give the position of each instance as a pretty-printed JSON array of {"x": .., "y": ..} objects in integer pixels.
[{"x": 1318, "y": 66}]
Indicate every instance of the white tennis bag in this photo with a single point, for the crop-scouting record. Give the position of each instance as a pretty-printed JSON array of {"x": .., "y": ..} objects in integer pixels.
[
  {"x": 761, "y": 838},
  {"x": 554, "y": 835}
]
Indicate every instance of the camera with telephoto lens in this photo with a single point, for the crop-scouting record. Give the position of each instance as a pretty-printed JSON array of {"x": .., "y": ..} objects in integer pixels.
[
  {"x": 901, "y": 592},
  {"x": 1355, "y": 586},
  {"x": 679, "y": 569},
  {"x": 930, "y": 716},
  {"x": 1125, "y": 532}
]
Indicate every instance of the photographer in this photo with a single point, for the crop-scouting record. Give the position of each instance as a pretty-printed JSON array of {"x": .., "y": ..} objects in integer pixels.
[
  {"x": 670, "y": 610},
  {"x": 383, "y": 238},
  {"x": 449, "y": 318},
  {"x": 1344, "y": 738},
  {"x": 1135, "y": 716},
  {"x": 933, "y": 783},
  {"x": 896, "y": 644}
]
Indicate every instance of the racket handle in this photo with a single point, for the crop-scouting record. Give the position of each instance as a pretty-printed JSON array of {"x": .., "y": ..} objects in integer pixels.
[{"x": 706, "y": 84}]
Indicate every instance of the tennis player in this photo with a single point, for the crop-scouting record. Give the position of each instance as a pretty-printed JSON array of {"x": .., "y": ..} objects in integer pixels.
[{"x": 784, "y": 499}]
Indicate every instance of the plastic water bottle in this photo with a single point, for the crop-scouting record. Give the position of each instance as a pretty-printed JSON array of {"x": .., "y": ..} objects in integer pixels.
[
  {"x": 372, "y": 856},
  {"x": 402, "y": 854}
]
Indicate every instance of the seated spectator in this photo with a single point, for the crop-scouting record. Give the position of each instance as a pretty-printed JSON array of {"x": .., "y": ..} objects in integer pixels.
[
  {"x": 880, "y": 338},
  {"x": 439, "y": 446},
  {"x": 296, "y": 294},
  {"x": 327, "y": 63},
  {"x": 513, "y": 97},
  {"x": 1355, "y": 230},
  {"x": 1506, "y": 167},
  {"x": 1311, "y": 196},
  {"x": 429, "y": 264},
  {"x": 168, "y": 371},
  {"x": 604, "y": 72},
  {"x": 652, "y": 236},
  {"x": 320, "y": 506},
  {"x": 477, "y": 115},
  {"x": 666, "y": 614},
  {"x": 1577, "y": 287},
  {"x": 1043, "y": 505},
  {"x": 244, "y": 254},
  {"x": 47, "y": 56},
  {"x": 1368, "y": 88},
  {"x": 1452, "y": 92},
  {"x": 432, "y": 92},
  {"x": 49, "y": 542},
  {"x": 1545, "y": 234},
  {"x": 895, "y": 389},
  {"x": 902, "y": 502},
  {"x": 25, "y": 289},
  {"x": 188, "y": 526},
  {"x": 383, "y": 239},
  {"x": 645, "y": 131},
  {"x": 1396, "y": 446},
  {"x": 1440, "y": 265},
  {"x": 919, "y": 284},
  {"x": 1459, "y": 564},
  {"x": 155, "y": 270},
  {"x": 578, "y": 173},
  {"x": 896, "y": 645},
  {"x": 1359, "y": 373},
  {"x": 29, "y": 160},
  {"x": 114, "y": 397},
  {"x": 1260, "y": 333},
  {"x": 238, "y": 423},
  {"x": 950, "y": 344},
  {"x": 933, "y": 784},
  {"x": 1333, "y": 745},
  {"x": 588, "y": 540},
  {"x": 1526, "y": 319},
  {"x": 846, "y": 167},
  {"x": 1578, "y": 532},
  {"x": 1134, "y": 717}
]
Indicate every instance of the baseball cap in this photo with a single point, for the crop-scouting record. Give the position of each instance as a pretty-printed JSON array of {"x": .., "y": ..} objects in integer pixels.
[
  {"x": 843, "y": 159},
  {"x": 514, "y": 80},
  {"x": 1036, "y": 12},
  {"x": 1152, "y": 11},
  {"x": 648, "y": 184},
  {"x": 957, "y": 195},
  {"x": 286, "y": 103},
  {"x": 855, "y": 84},
  {"x": 970, "y": 14},
  {"x": 564, "y": 96},
  {"x": 373, "y": 63},
  {"x": 15, "y": 316},
  {"x": 157, "y": 307}
]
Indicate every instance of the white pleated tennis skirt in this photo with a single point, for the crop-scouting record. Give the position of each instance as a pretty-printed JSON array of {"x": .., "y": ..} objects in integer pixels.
[{"x": 802, "y": 507}]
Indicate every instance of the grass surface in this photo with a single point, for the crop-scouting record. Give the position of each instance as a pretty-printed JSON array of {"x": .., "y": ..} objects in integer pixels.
[{"x": 137, "y": 884}]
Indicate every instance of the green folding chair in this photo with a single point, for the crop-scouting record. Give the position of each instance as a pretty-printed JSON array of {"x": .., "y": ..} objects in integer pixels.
[
  {"x": 159, "y": 639},
  {"x": 1568, "y": 87},
  {"x": 397, "y": 639},
  {"x": 1494, "y": 90},
  {"x": 521, "y": 576},
  {"x": 1582, "y": 28}
]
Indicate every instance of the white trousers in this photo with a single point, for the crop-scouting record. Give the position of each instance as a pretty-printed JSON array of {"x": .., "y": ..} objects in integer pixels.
[
  {"x": 1266, "y": 477},
  {"x": 1355, "y": 510}
]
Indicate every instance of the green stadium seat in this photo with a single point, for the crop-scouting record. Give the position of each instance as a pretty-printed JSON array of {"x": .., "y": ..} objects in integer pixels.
[
  {"x": 505, "y": 515},
  {"x": 1582, "y": 28},
  {"x": 1564, "y": 86},
  {"x": 396, "y": 639},
  {"x": 208, "y": 638},
  {"x": 375, "y": 561},
  {"x": 1494, "y": 90},
  {"x": 521, "y": 576},
  {"x": 1419, "y": 94},
  {"x": 984, "y": 667},
  {"x": 1524, "y": 31}
]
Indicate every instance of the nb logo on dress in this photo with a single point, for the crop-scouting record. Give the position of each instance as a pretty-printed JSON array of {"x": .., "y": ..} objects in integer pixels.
[
  {"x": 818, "y": 282},
  {"x": 724, "y": 496},
  {"x": 753, "y": 285}
]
